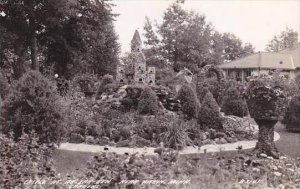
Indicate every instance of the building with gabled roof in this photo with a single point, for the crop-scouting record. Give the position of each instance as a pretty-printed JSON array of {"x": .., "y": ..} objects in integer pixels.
[{"x": 288, "y": 61}]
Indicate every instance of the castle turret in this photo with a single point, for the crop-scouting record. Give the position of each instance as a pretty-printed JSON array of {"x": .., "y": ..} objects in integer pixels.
[{"x": 136, "y": 42}]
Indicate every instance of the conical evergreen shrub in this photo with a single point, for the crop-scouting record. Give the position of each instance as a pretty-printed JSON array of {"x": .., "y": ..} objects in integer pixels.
[
  {"x": 148, "y": 103},
  {"x": 209, "y": 114},
  {"x": 189, "y": 102}
]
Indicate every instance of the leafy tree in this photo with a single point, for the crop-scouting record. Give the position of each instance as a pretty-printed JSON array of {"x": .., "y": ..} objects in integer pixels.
[
  {"x": 233, "y": 47},
  {"x": 72, "y": 36},
  {"x": 286, "y": 39},
  {"x": 153, "y": 50},
  {"x": 85, "y": 41},
  {"x": 185, "y": 39}
]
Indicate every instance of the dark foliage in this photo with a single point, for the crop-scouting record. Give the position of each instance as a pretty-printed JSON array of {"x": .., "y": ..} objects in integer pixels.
[
  {"x": 24, "y": 160},
  {"x": 233, "y": 104},
  {"x": 189, "y": 102},
  {"x": 107, "y": 79},
  {"x": 209, "y": 114},
  {"x": 292, "y": 115},
  {"x": 148, "y": 103},
  {"x": 33, "y": 105},
  {"x": 4, "y": 86}
]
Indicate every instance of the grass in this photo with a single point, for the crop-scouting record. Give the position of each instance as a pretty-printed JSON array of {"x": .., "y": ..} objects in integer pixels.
[
  {"x": 68, "y": 162},
  {"x": 211, "y": 170}
]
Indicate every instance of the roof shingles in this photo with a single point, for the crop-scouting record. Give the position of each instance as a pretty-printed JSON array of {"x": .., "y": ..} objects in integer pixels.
[{"x": 289, "y": 60}]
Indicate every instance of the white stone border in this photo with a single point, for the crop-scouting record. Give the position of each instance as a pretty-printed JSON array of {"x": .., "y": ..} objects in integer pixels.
[{"x": 150, "y": 150}]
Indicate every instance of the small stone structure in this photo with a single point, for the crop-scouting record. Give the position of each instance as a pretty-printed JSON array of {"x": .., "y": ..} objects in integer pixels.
[{"x": 134, "y": 69}]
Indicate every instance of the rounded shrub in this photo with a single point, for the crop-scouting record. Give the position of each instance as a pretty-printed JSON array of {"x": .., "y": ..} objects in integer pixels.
[
  {"x": 107, "y": 79},
  {"x": 148, "y": 103},
  {"x": 189, "y": 102},
  {"x": 33, "y": 105},
  {"x": 292, "y": 115},
  {"x": 233, "y": 104},
  {"x": 209, "y": 114}
]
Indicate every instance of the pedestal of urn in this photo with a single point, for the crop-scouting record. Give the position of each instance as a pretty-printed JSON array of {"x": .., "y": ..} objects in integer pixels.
[{"x": 265, "y": 143}]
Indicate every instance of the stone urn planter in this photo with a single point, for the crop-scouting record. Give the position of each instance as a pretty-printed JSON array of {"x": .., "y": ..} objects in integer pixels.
[{"x": 266, "y": 105}]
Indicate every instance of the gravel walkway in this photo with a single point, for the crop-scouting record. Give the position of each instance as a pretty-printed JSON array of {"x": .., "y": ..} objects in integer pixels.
[{"x": 150, "y": 150}]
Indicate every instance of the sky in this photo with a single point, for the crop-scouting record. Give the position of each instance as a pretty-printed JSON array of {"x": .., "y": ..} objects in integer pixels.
[{"x": 253, "y": 21}]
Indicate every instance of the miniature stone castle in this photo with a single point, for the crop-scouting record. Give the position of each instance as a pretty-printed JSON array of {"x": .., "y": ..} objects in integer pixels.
[{"x": 133, "y": 69}]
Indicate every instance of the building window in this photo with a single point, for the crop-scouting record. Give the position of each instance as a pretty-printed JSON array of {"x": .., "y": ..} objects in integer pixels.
[
  {"x": 121, "y": 71},
  {"x": 140, "y": 79},
  {"x": 151, "y": 81},
  {"x": 121, "y": 80},
  {"x": 151, "y": 71}
]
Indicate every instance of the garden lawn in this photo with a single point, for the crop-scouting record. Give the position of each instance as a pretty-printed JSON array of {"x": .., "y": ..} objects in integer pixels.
[
  {"x": 289, "y": 143},
  {"x": 68, "y": 162}
]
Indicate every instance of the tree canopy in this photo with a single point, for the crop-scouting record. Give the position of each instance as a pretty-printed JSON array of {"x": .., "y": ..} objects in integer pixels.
[
  {"x": 286, "y": 39},
  {"x": 70, "y": 36},
  {"x": 186, "y": 39}
]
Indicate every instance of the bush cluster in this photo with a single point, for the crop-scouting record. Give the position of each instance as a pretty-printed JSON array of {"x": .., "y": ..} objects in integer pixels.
[
  {"x": 189, "y": 102},
  {"x": 148, "y": 103},
  {"x": 24, "y": 160},
  {"x": 33, "y": 105},
  {"x": 209, "y": 114},
  {"x": 292, "y": 115},
  {"x": 106, "y": 80},
  {"x": 233, "y": 104}
]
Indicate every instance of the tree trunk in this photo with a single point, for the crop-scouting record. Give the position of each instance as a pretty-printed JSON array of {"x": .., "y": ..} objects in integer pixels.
[
  {"x": 32, "y": 35},
  {"x": 266, "y": 142},
  {"x": 19, "y": 65},
  {"x": 33, "y": 46}
]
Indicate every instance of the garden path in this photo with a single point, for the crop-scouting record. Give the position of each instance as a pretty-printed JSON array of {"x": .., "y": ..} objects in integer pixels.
[{"x": 150, "y": 150}]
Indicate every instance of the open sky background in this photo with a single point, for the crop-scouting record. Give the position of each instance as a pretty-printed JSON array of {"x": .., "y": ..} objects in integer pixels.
[{"x": 253, "y": 21}]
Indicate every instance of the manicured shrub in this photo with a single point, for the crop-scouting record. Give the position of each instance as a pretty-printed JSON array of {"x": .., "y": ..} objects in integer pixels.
[
  {"x": 34, "y": 105},
  {"x": 292, "y": 115},
  {"x": 233, "y": 104},
  {"x": 189, "y": 102},
  {"x": 107, "y": 79},
  {"x": 148, "y": 103},
  {"x": 209, "y": 114}
]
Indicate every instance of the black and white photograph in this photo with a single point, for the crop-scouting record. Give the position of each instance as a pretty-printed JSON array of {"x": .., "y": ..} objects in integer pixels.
[{"x": 149, "y": 94}]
